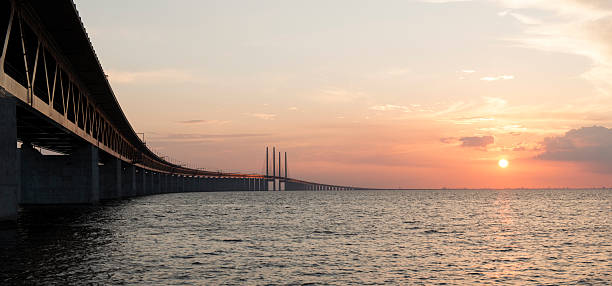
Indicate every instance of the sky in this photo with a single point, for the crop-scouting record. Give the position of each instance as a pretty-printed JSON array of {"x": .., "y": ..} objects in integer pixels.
[{"x": 386, "y": 94}]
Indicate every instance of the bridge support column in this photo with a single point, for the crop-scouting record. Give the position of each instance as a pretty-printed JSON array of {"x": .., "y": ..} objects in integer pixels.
[
  {"x": 9, "y": 165},
  {"x": 188, "y": 184},
  {"x": 205, "y": 184},
  {"x": 110, "y": 179},
  {"x": 162, "y": 183},
  {"x": 60, "y": 179},
  {"x": 166, "y": 183},
  {"x": 157, "y": 183},
  {"x": 175, "y": 183},
  {"x": 128, "y": 180},
  {"x": 210, "y": 184},
  {"x": 153, "y": 183},
  {"x": 228, "y": 184},
  {"x": 181, "y": 184},
  {"x": 141, "y": 182},
  {"x": 239, "y": 184},
  {"x": 150, "y": 183},
  {"x": 222, "y": 184},
  {"x": 214, "y": 186},
  {"x": 146, "y": 184}
]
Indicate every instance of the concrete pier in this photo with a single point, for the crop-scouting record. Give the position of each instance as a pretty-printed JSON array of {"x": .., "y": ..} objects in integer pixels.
[
  {"x": 174, "y": 183},
  {"x": 141, "y": 182},
  {"x": 128, "y": 180},
  {"x": 156, "y": 178},
  {"x": 165, "y": 183},
  {"x": 8, "y": 164},
  {"x": 181, "y": 184},
  {"x": 110, "y": 178},
  {"x": 60, "y": 179}
]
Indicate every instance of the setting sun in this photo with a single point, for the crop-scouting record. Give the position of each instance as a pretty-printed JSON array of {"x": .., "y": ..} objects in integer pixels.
[{"x": 503, "y": 163}]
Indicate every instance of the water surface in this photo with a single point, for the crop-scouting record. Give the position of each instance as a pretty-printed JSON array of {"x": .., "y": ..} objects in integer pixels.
[{"x": 358, "y": 237}]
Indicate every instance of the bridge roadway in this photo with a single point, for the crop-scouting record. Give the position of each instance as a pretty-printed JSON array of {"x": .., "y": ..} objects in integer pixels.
[{"x": 54, "y": 94}]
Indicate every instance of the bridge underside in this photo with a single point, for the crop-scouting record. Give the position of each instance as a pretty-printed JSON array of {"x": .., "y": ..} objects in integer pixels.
[{"x": 40, "y": 131}]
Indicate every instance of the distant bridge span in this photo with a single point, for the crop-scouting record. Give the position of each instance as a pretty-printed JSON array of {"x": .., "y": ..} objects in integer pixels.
[{"x": 54, "y": 94}]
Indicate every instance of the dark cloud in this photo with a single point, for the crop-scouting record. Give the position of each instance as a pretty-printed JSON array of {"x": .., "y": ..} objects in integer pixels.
[
  {"x": 448, "y": 140},
  {"x": 477, "y": 141},
  {"x": 590, "y": 145}
]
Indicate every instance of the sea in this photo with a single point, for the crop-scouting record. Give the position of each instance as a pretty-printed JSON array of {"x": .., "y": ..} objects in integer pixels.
[{"x": 392, "y": 237}]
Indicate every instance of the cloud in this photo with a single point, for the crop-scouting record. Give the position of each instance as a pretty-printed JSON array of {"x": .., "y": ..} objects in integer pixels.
[
  {"x": 390, "y": 107},
  {"x": 480, "y": 142},
  {"x": 444, "y": 1},
  {"x": 197, "y": 137},
  {"x": 153, "y": 76},
  {"x": 398, "y": 71},
  {"x": 201, "y": 121},
  {"x": 477, "y": 141},
  {"x": 495, "y": 78},
  {"x": 293, "y": 108},
  {"x": 579, "y": 27},
  {"x": 264, "y": 116},
  {"x": 468, "y": 71},
  {"x": 401, "y": 108},
  {"x": 589, "y": 145},
  {"x": 471, "y": 120},
  {"x": 521, "y": 18},
  {"x": 449, "y": 140},
  {"x": 336, "y": 95}
]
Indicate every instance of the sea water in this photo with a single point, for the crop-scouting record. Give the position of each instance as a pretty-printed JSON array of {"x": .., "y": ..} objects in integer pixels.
[{"x": 430, "y": 237}]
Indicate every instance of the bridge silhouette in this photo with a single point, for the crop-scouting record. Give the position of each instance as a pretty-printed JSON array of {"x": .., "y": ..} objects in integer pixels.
[{"x": 55, "y": 95}]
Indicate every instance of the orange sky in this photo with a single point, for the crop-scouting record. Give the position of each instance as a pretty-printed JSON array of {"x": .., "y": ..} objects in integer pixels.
[{"x": 413, "y": 94}]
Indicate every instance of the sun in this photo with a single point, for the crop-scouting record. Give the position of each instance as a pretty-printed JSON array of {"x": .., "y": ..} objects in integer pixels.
[{"x": 503, "y": 163}]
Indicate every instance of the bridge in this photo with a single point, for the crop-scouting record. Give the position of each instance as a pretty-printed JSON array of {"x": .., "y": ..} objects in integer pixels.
[{"x": 54, "y": 95}]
